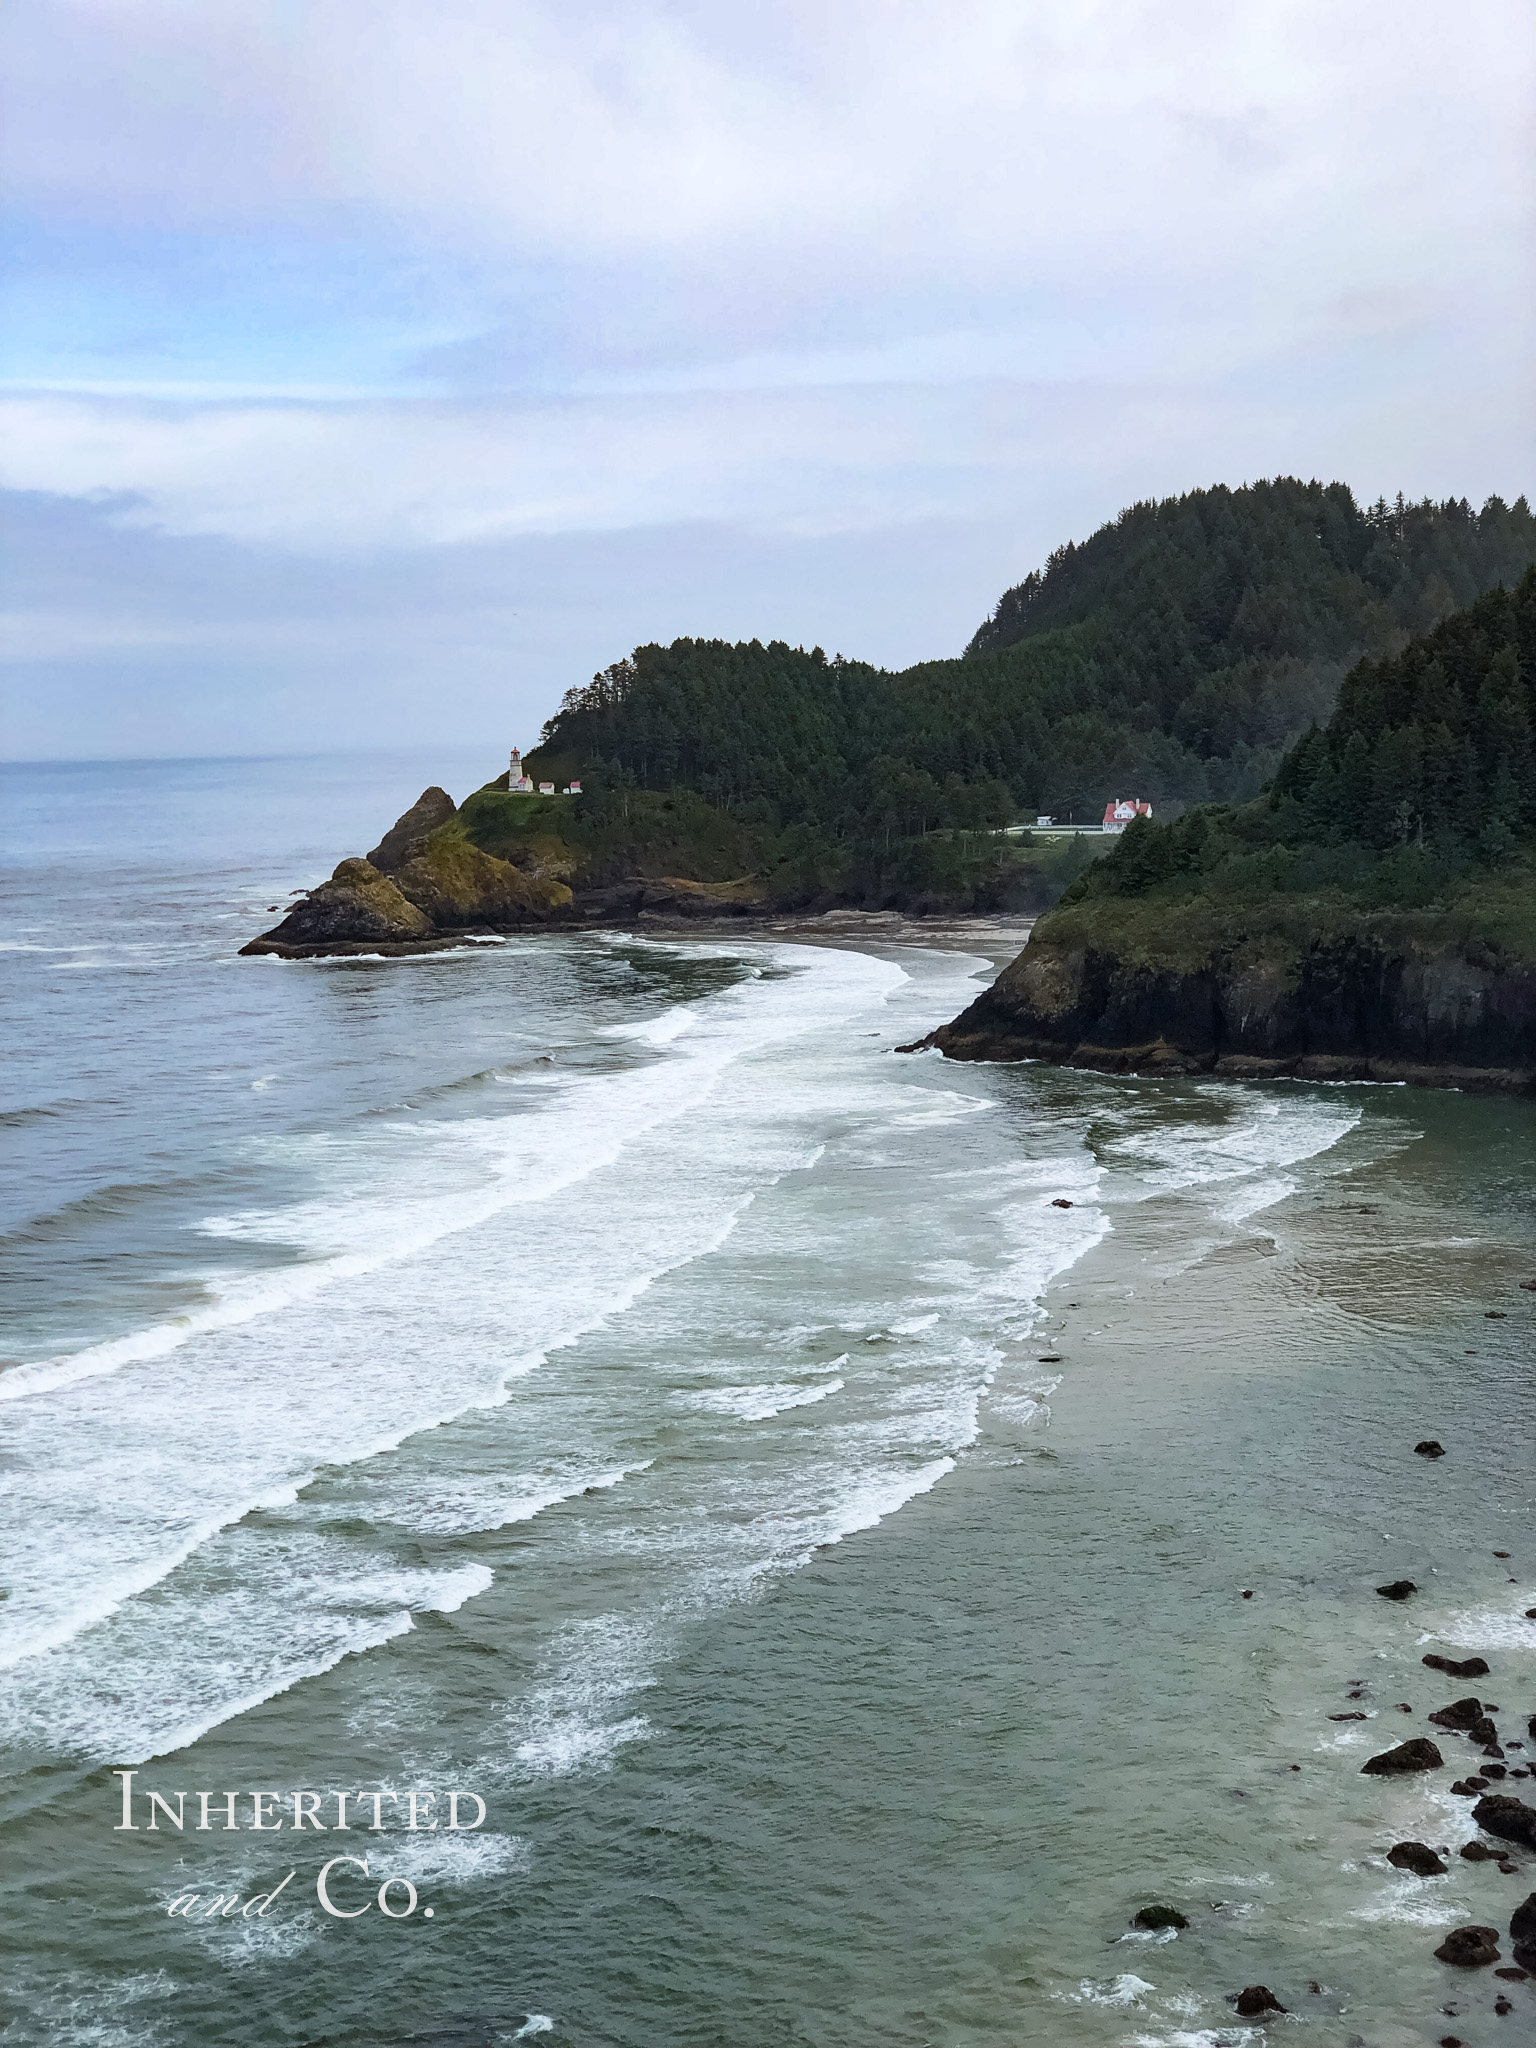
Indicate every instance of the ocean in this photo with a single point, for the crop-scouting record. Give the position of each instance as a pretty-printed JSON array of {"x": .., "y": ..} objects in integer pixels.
[{"x": 859, "y": 1526}]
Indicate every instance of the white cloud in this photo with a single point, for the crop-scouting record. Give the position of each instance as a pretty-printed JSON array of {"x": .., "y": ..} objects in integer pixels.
[
  {"x": 451, "y": 275},
  {"x": 892, "y": 136}
]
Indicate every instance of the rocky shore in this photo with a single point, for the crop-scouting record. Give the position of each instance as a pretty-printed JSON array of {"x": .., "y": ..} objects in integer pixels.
[
  {"x": 426, "y": 886},
  {"x": 1378, "y": 1003}
]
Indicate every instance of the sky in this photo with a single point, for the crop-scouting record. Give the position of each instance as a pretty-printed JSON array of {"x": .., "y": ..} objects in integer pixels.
[{"x": 374, "y": 371}]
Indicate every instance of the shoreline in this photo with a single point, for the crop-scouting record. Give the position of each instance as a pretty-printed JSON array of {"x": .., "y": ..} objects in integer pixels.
[
  {"x": 1224, "y": 1475},
  {"x": 822, "y": 924},
  {"x": 1158, "y": 1060}
]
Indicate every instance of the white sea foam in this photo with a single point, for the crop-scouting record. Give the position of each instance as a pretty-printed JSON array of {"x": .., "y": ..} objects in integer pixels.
[
  {"x": 1260, "y": 1133},
  {"x": 1255, "y": 1197},
  {"x": 1486, "y": 1628},
  {"x": 460, "y": 1502},
  {"x": 309, "y": 1366},
  {"x": 656, "y": 1030},
  {"x": 464, "y": 1858},
  {"x": 1125, "y": 1990},
  {"x": 1199, "y": 2037},
  {"x": 651, "y": 1237},
  {"x": 756, "y": 1404}
]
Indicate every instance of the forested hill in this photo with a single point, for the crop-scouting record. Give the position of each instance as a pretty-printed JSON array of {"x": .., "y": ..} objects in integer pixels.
[
  {"x": 1423, "y": 779},
  {"x": 1371, "y": 917},
  {"x": 1174, "y": 655}
]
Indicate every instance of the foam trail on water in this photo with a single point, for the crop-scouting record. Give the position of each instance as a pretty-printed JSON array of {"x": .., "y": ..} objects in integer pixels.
[{"x": 183, "y": 1441}]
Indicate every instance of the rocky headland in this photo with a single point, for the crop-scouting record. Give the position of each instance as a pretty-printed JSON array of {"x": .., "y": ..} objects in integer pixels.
[
  {"x": 1372, "y": 917},
  {"x": 444, "y": 873},
  {"x": 1323, "y": 992}
]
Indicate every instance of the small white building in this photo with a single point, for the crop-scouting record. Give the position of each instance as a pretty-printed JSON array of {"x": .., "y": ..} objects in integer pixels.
[
  {"x": 1119, "y": 813},
  {"x": 546, "y": 789}
]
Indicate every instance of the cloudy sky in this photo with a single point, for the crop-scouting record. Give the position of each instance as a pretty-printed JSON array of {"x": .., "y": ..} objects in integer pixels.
[{"x": 377, "y": 369}]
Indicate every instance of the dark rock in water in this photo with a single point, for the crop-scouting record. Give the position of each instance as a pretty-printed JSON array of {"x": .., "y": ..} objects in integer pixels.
[
  {"x": 1491, "y": 1771},
  {"x": 1513, "y": 1972},
  {"x": 432, "y": 808},
  {"x": 1254, "y": 2001},
  {"x": 1417, "y": 1857},
  {"x": 1349, "y": 1717},
  {"x": 1398, "y": 1589},
  {"x": 1403, "y": 1707},
  {"x": 1508, "y": 1818},
  {"x": 1483, "y": 1730},
  {"x": 1459, "y": 1714},
  {"x": 1501, "y": 2005},
  {"x": 1429, "y": 1448},
  {"x": 1495, "y": 1315},
  {"x": 1060, "y": 1202},
  {"x": 1470, "y": 1948},
  {"x": 1469, "y": 1667},
  {"x": 1522, "y": 1922},
  {"x": 1524, "y": 1956},
  {"x": 1418, "y": 1754},
  {"x": 1469, "y": 1788},
  {"x": 1479, "y": 1852},
  {"x": 1159, "y": 1916}
]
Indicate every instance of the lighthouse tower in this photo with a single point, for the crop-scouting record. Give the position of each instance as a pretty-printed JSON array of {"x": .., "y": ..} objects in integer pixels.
[{"x": 517, "y": 778}]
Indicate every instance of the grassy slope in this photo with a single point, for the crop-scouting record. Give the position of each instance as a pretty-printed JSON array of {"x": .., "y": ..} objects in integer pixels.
[{"x": 1183, "y": 928}]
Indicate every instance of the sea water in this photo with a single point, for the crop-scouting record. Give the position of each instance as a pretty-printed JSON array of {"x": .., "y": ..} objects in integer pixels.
[{"x": 806, "y": 1492}]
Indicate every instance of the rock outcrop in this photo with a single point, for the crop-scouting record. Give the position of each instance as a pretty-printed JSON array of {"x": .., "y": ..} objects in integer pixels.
[
  {"x": 357, "y": 908},
  {"x": 1379, "y": 1003},
  {"x": 1417, "y": 1857},
  {"x": 1256, "y": 2002},
  {"x": 462, "y": 889},
  {"x": 1470, "y": 1948},
  {"x": 1510, "y": 1819},
  {"x": 434, "y": 807},
  {"x": 428, "y": 884},
  {"x": 1417, "y": 1754}
]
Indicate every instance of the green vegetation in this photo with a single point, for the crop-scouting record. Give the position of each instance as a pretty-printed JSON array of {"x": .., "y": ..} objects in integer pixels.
[
  {"x": 1415, "y": 806},
  {"x": 1175, "y": 655},
  {"x": 618, "y": 831}
]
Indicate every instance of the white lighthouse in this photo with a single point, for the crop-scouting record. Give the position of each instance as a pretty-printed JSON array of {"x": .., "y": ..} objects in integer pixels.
[{"x": 518, "y": 781}]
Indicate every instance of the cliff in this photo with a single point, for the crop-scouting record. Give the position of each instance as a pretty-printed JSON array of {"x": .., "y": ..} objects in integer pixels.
[{"x": 1318, "y": 990}]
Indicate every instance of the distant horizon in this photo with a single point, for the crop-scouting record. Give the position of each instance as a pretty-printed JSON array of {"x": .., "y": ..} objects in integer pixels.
[
  {"x": 533, "y": 721},
  {"x": 489, "y": 341}
]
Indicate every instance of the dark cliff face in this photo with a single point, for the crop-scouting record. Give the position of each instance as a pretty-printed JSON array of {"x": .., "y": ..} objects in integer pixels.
[{"x": 1371, "y": 1004}]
